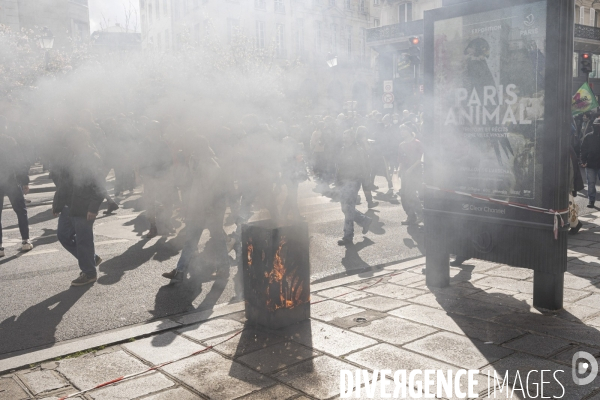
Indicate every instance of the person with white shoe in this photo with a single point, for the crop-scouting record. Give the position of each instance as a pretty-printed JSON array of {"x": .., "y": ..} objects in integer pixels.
[{"x": 14, "y": 184}]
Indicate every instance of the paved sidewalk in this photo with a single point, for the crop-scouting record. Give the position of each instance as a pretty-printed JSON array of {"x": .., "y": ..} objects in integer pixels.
[{"x": 382, "y": 320}]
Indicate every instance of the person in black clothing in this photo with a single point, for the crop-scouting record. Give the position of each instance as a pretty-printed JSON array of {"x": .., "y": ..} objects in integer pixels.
[
  {"x": 590, "y": 160},
  {"x": 14, "y": 183},
  {"x": 207, "y": 201},
  {"x": 79, "y": 194},
  {"x": 155, "y": 170},
  {"x": 351, "y": 173}
]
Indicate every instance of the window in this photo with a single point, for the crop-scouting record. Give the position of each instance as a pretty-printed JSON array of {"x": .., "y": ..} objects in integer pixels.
[
  {"x": 232, "y": 29},
  {"x": 376, "y": 22},
  {"x": 165, "y": 7},
  {"x": 363, "y": 41},
  {"x": 280, "y": 40},
  {"x": 581, "y": 15},
  {"x": 157, "y": 9},
  {"x": 575, "y": 65},
  {"x": 349, "y": 40},
  {"x": 196, "y": 3},
  {"x": 279, "y": 6},
  {"x": 362, "y": 6},
  {"x": 592, "y": 17},
  {"x": 405, "y": 12},
  {"x": 376, "y": 2},
  {"x": 348, "y": 4},
  {"x": 149, "y": 13},
  {"x": 176, "y": 9},
  {"x": 260, "y": 34},
  {"x": 318, "y": 33},
  {"x": 167, "y": 39},
  {"x": 595, "y": 66},
  {"x": 260, "y": 4},
  {"x": 334, "y": 38}
]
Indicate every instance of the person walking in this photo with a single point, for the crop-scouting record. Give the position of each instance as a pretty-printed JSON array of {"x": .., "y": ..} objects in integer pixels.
[
  {"x": 590, "y": 160},
  {"x": 411, "y": 175},
  {"x": 351, "y": 173},
  {"x": 77, "y": 200},
  {"x": 207, "y": 203},
  {"x": 14, "y": 183}
]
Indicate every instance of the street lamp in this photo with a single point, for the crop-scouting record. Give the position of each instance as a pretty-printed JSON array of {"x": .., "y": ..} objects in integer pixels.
[{"x": 46, "y": 42}]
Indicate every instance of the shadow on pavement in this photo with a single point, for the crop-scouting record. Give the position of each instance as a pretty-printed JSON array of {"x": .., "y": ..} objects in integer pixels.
[
  {"x": 509, "y": 338},
  {"x": 36, "y": 326}
]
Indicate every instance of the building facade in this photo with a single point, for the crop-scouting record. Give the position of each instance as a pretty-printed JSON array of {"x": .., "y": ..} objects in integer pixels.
[
  {"x": 68, "y": 20},
  {"x": 328, "y": 37},
  {"x": 587, "y": 40},
  {"x": 401, "y": 19}
]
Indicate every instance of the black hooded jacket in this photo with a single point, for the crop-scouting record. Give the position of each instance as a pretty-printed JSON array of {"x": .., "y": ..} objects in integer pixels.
[
  {"x": 80, "y": 185},
  {"x": 590, "y": 149},
  {"x": 14, "y": 169}
]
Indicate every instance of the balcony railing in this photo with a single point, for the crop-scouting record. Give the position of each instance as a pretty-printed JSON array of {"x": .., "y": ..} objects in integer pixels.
[
  {"x": 395, "y": 31},
  {"x": 587, "y": 32}
]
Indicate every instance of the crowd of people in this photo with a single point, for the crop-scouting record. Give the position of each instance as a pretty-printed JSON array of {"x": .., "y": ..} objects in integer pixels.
[{"x": 195, "y": 174}]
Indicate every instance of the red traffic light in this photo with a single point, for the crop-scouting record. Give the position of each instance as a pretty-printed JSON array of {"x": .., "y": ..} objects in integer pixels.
[
  {"x": 585, "y": 55},
  {"x": 415, "y": 41}
]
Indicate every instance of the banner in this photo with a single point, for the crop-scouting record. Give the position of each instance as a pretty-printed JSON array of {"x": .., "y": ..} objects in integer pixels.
[
  {"x": 489, "y": 78},
  {"x": 584, "y": 100}
]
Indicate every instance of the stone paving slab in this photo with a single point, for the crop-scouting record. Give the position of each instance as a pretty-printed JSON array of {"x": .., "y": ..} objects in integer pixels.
[
  {"x": 43, "y": 381},
  {"x": 251, "y": 339},
  {"x": 217, "y": 377},
  {"x": 10, "y": 390},
  {"x": 327, "y": 338},
  {"x": 319, "y": 377},
  {"x": 394, "y": 330},
  {"x": 458, "y": 350},
  {"x": 344, "y": 293},
  {"x": 174, "y": 394},
  {"x": 357, "y": 319},
  {"x": 277, "y": 357},
  {"x": 133, "y": 388},
  {"x": 379, "y": 303},
  {"x": 394, "y": 291},
  {"x": 211, "y": 328},
  {"x": 162, "y": 348},
  {"x": 278, "y": 392},
  {"x": 331, "y": 309},
  {"x": 87, "y": 371}
]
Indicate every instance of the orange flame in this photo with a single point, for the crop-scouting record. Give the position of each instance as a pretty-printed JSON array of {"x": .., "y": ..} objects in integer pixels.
[{"x": 289, "y": 284}]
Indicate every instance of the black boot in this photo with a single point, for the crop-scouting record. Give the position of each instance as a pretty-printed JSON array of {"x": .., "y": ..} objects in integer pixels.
[
  {"x": 591, "y": 204},
  {"x": 575, "y": 230}
]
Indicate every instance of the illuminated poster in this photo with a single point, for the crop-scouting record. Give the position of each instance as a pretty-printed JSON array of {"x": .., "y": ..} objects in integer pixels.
[{"x": 489, "y": 71}]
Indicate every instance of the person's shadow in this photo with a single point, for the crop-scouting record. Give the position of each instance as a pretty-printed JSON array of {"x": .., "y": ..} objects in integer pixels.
[
  {"x": 505, "y": 332},
  {"x": 36, "y": 326}
]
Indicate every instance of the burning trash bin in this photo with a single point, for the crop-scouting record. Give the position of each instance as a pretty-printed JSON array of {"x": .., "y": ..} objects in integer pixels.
[{"x": 276, "y": 269}]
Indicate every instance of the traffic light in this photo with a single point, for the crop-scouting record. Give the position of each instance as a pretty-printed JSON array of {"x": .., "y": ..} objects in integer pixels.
[
  {"x": 586, "y": 63},
  {"x": 414, "y": 51}
]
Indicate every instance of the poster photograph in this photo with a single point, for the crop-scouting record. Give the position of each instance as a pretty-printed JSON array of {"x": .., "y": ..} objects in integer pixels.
[{"x": 489, "y": 75}]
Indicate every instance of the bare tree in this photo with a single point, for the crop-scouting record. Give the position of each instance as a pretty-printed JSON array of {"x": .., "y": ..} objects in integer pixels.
[{"x": 131, "y": 17}]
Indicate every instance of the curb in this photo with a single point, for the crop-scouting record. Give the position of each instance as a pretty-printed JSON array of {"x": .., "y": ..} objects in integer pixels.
[{"x": 24, "y": 358}]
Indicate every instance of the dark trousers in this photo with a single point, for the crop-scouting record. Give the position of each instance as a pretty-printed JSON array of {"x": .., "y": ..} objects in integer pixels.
[
  {"x": 348, "y": 194},
  {"x": 76, "y": 234},
  {"x": 216, "y": 247},
  {"x": 17, "y": 201},
  {"x": 410, "y": 184}
]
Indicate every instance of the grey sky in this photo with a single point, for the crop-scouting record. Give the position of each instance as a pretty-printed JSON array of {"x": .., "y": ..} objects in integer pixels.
[{"x": 113, "y": 13}]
